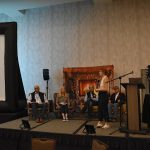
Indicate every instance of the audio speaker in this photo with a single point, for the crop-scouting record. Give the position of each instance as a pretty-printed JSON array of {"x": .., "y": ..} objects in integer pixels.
[
  {"x": 25, "y": 125},
  {"x": 89, "y": 129},
  {"x": 46, "y": 74},
  {"x": 148, "y": 71}
]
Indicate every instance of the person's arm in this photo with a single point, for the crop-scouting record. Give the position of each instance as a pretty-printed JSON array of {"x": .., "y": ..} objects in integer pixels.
[
  {"x": 111, "y": 99},
  {"x": 122, "y": 98},
  {"x": 29, "y": 98},
  {"x": 57, "y": 101},
  {"x": 95, "y": 98},
  {"x": 68, "y": 100},
  {"x": 97, "y": 88},
  {"x": 106, "y": 84},
  {"x": 45, "y": 99},
  {"x": 85, "y": 98}
]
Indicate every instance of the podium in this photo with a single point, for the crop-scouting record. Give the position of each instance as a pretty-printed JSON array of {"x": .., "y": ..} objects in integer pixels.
[{"x": 133, "y": 105}]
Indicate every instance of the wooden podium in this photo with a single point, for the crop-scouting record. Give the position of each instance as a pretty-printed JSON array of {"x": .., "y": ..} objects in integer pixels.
[{"x": 133, "y": 105}]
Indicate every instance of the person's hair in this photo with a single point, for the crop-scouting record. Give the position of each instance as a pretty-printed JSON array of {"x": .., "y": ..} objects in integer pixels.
[
  {"x": 115, "y": 88},
  {"x": 61, "y": 90},
  {"x": 103, "y": 71},
  {"x": 36, "y": 86},
  {"x": 91, "y": 86}
]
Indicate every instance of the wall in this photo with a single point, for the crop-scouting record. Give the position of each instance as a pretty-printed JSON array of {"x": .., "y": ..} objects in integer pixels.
[{"x": 76, "y": 35}]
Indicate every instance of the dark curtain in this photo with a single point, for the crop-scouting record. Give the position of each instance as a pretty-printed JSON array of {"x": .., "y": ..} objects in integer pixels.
[{"x": 21, "y": 140}]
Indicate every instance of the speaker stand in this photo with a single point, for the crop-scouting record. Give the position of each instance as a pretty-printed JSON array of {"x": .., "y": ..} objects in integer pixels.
[{"x": 47, "y": 89}]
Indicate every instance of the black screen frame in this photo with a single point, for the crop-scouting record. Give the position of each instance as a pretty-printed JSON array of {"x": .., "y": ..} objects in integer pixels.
[{"x": 15, "y": 99}]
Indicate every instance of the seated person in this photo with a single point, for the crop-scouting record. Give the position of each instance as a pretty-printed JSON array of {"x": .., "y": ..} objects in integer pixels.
[
  {"x": 62, "y": 103},
  {"x": 116, "y": 99},
  {"x": 37, "y": 100},
  {"x": 90, "y": 100}
]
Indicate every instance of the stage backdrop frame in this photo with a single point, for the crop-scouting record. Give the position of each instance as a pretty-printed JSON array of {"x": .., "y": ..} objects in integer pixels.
[
  {"x": 15, "y": 99},
  {"x": 74, "y": 78}
]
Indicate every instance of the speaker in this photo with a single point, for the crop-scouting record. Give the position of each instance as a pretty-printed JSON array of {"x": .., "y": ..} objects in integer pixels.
[
  {"x": 89, "y": 129},
  {"x": 148, "y": 71},
  {"x": 46, "y": 74},
  {"x": 25, "y": 124}
]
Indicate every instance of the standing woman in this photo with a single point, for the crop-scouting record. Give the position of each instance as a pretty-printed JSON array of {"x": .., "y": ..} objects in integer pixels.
[
  {"x": 103, "y": 100},
  {"x": 62, "y": 102}
]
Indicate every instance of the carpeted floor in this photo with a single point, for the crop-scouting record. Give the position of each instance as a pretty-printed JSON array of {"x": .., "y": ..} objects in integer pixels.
[
  {"x": 59, "y": 126},
  {"x": 75, "y": 126}
]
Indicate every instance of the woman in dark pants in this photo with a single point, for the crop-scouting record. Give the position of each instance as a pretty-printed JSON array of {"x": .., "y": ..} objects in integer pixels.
[{"x": 103, "y": 101}]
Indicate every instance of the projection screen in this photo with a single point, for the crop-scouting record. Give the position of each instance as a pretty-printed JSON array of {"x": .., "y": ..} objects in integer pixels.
[{"x": 2, "y": 67}]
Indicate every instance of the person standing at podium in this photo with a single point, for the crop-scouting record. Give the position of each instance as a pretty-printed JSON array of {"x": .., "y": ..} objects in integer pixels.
[{"x": 103, "y": 100}]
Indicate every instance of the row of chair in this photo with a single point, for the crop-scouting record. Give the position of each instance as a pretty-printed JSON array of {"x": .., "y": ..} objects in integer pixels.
[{"x": 51, "y": 107}]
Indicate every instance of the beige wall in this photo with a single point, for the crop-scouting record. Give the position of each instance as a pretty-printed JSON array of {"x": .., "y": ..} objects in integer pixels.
[{"x": 74, "y": 35}]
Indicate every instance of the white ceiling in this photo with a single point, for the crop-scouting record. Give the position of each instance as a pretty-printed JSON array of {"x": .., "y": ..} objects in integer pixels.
[{"x": 15, "y": 8}]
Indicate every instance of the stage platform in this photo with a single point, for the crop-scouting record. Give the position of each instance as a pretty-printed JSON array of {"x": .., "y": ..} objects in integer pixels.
[{"x": 69, "y": 135}]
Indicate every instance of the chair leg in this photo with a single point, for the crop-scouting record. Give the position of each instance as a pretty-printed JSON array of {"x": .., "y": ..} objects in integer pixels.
[{"x": 89, "y": 111}]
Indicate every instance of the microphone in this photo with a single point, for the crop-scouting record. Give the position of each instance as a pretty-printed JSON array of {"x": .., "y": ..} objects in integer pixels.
[{"x": 128, "y": 73}]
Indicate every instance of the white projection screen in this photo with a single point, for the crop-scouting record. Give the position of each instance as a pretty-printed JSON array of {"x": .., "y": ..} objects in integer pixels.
[{"x": 2, "y": 68}]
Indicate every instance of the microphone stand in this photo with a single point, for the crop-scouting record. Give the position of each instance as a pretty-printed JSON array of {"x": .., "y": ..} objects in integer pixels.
[{"x": 120, "y": 77}]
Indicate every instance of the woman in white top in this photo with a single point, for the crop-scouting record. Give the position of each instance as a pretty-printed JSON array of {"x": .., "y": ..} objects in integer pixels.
[
  {"x": 62, "y": 103},
  {"x": 103, "y": 100}
]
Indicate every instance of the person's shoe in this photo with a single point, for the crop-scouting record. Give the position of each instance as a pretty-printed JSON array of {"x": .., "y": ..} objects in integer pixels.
[
  {"x": 63, "y": 120},
  {"x": 99, "y": 124},
  {"x": 66, "y": 119},
  {"x": 106, "y": 126}
]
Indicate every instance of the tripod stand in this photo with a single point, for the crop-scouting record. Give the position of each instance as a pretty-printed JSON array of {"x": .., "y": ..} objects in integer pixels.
[
  {"x": 47, "y": 89},
  {"x": 120, "y": 77},
  {"x": 46, "y": 78}
]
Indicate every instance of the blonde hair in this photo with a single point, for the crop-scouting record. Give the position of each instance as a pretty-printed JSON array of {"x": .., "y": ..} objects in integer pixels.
[
  {"x": 60, "y": 92},
  {"x": 103, "y": 71}
]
